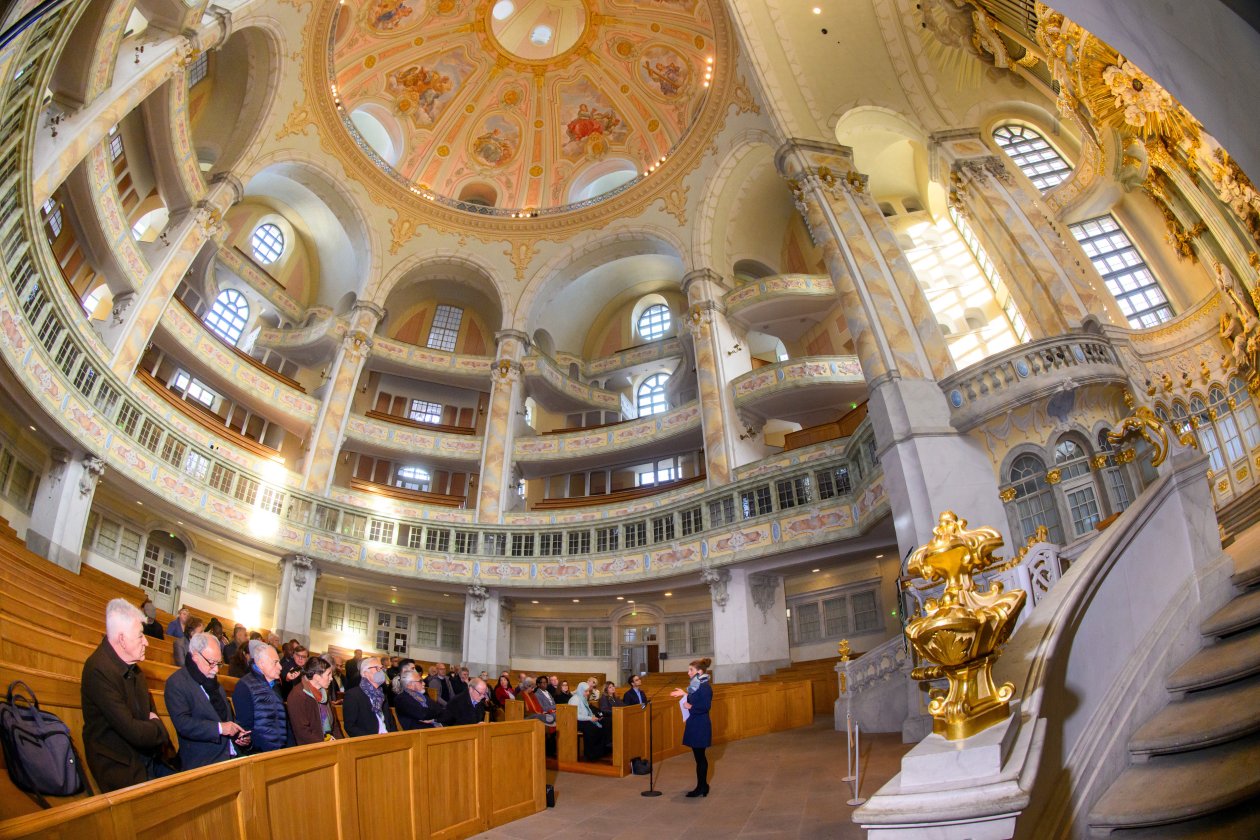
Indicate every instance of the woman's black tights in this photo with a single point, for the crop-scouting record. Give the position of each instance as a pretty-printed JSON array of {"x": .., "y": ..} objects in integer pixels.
[{"x": 702, "y": 769}]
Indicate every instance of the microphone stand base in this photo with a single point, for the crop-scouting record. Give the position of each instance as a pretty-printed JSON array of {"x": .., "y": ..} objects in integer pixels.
[{"x": 651, "y": 793}]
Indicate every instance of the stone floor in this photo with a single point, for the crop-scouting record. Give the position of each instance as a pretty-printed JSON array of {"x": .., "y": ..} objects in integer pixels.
[{"x": 787, "y": 784}]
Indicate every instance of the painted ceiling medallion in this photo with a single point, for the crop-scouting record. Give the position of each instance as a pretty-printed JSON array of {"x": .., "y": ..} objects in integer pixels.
[{"x": 541, "y": 106}]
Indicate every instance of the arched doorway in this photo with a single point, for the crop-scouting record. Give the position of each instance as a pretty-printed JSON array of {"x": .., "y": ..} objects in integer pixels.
[
  {"x": 162, "y": 569},
  {"x": 638, "y": 636}
]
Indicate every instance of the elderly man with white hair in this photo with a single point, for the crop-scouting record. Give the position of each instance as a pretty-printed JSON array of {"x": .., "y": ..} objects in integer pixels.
[
  {"x": 198, "y": 707},
  {"x": 122, "y": 735},
  {"x": 257, "y": 701}
]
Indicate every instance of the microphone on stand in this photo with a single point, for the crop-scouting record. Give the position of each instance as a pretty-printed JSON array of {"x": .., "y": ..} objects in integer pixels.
[{"x": 647, "y": 704}]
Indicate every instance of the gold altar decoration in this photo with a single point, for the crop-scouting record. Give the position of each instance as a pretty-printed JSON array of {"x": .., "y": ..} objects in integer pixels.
[
  {"x": 964, "y": 630},
  {"x": 844, "y": 650},
  {"x": 1146, "y": 424}
]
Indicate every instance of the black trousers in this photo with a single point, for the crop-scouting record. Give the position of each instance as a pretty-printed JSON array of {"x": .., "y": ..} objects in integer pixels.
[{"x": 702, "y": 768}]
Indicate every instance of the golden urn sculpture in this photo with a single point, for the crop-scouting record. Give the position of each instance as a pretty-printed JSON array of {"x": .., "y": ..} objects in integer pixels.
[{"x": 963, "y": 631}]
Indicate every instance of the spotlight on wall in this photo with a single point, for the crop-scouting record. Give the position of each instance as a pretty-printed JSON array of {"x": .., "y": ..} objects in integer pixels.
[{"x": 735, "y": 349}]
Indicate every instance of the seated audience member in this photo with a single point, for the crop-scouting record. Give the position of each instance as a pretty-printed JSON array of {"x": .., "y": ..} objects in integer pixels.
[
  {"x": 215, "y": 628},
  {"x": 503, "y": 691},
  {"x": 238, "y": 666},
  {"x": 179, "y": 644},
  {"x": 562, "y": 694},
  {"x": 594, "y": 736},
  {"x": 240, "y": 639},
  {"x": 198, "y": 706},
  {"x": 336, "y": 683},
  {"x": 525, "y": 684},
  {"x": 151, "y": 626},
  {"x": 176, "y": 628},
  {"x": 459, "y": 681},
  {"x": 607, "y": 700},
  {"x": 539, "y": 704},
  {"x": 469, "y": 707},
  {"x": 352, "y": 670},
  {"x": 484, "y": 677},
  {"x": 310, "y": 705},
  {"x": 411, "y": 702},
  {"x": 122, "y": 736},
  {"x": 364, "y": 709},
  {"x": 291, "y": 668},
  {"x": 553, "y": 684},
  {"x": 442, "y": 682},
  {"x": 634, "y": 695},
  {"x": 257, "y": 700}
]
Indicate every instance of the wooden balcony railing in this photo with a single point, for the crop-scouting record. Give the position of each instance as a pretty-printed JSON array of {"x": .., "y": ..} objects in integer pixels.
[
  {"x": 416, "y": 424},
  {"x": 835, "y": 430},
  {"x": 419, "y": 496},
  {"x": 616, "y": 496},
  {"x": 206, "y": 418}
]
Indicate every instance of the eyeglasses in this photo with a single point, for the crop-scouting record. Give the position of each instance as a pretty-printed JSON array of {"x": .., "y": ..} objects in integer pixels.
[{"x": 212, "y": 663}]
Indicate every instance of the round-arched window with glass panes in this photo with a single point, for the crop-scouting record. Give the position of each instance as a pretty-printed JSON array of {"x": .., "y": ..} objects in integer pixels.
[
  {"x": 228, "y": 315},
  {"x": 1033, "y": 503},
  {"x": 413, "y": 478},
  {"x": 1113, "y": 476},
  {"x": 654, "y": 322},
  {"x": 1205, "y": 431},
  {"x": 267, "y": 243},
  {"x": 651, "y": 395},
  {"x": 1239, "y": 402},
  {"x": 1077, "y": 485},
  {"x": 1033, "y": 154}
]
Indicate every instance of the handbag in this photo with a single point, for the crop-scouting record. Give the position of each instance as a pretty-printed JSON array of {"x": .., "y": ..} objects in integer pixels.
[
  {"x": 38, "y": 751},
  {"x": 640, "y": 766}
]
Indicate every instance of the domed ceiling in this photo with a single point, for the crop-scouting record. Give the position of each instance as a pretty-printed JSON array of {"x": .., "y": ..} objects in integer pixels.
[{"x": 522, "y": 105}]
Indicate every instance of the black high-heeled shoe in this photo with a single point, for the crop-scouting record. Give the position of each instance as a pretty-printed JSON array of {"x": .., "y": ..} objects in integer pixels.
[{"x": 697, "y": 792}]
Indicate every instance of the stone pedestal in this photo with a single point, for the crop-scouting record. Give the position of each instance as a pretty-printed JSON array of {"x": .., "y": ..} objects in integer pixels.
[
  {"x": 59, "y": 516},
  {"x": 295, "y": 597},
  {"x": 750, "y": 635},
  {"x": 487, "y": 631}
]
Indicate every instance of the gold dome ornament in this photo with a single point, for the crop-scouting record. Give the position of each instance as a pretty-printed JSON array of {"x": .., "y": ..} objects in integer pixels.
[{"x": 964, "y": 630}]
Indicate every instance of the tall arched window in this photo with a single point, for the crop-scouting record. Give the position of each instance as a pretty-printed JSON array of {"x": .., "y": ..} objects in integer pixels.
[
  {"x": 651, "y": 395},
  {"x": 267, "y": 243},
  {"x": 1209, "y": 441},
  {"x": 1124, "y": 271},
  {"x": 1113, "y": 476},
  {"x": 654, "y": 322},
  {"x": 1240, "y": 404},
  {"x": 1035, "y": 157},
  {"x": 413, "y": 478},
  {"x": 1033, "y": 502},
  {"x": 1072, "y": 462},
  {"x": 228, "y": 316}
]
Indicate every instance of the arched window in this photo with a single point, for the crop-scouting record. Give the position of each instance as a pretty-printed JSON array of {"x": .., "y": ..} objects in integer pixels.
[
  {"x": 1113, "y": 476},
  {"x": 1077, "y": 484},
  {"x": 651, "y": 395},
  {"x": 412, "y": 478},
  {"x": 267, "y": 243},
  {"x": 1209, "y": 442},
  {"x": 1035, "y": 157},
  {"x": 1240, "y": 404},
  {"x": 1124, "y": 271},
  {"x": 1033, "y": 502},
  {"x": 654, "y": 322},
  {"x": 228, "y": 315}
]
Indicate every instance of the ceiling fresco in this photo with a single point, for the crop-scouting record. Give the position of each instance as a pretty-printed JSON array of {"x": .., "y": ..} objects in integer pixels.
[{"x": 522, "y": 104}]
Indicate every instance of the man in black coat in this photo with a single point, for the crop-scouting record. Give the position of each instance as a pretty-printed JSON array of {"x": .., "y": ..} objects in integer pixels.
[
  {"x": 469, "y": 707},
  {"x": 364, "y": 711},
  {"x": 634, "y": 695},
  {"x": 122, "y": 735},
  {"x": 352, "y": 670},
  {"x": 198, "y": 707}
]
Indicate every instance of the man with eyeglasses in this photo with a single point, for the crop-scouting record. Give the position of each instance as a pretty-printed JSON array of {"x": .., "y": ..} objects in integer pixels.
[
  {"x": 198, "y": 707},
  {"x": 122, "y": 736}
]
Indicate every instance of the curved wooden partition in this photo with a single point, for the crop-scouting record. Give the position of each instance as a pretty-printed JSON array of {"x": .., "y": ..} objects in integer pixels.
[{"x": 444, "y": 783}]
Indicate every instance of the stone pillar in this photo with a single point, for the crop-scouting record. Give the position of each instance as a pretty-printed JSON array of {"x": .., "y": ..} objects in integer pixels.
[
  {"x": 928, "y": 467},
  {"x": 487, "y": 631},
  {"x": 334, "y": 410},
  {"x": 750, "y": 636},
  {"x": 136, "y": 314},
  {"x": 1051, "y": 279},
  {"x": 717, "y": 363},
  {"x": 506, "y": 398},
  {"x": 294, "y": 597},
  {"x": 60, "y": 514}
]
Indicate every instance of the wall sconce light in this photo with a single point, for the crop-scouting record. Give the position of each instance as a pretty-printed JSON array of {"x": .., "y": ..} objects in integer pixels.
[
  {"x": 323, "y": 374},
  {"x": 481, "y": 410},
  {"x": 735, "y": 349},
  {"x": 139, "y": 52},
  {"x": 748, "y": 434},
  {"x": 54, "y": 120}
]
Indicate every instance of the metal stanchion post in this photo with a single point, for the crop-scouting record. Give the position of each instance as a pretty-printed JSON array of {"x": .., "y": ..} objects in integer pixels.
[
  {"x": 848, "y": 746},
  {"x": 857, "y": 766}
]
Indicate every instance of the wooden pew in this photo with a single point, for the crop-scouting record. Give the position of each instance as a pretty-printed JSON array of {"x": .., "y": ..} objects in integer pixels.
[{"x": 452, "y": 782}]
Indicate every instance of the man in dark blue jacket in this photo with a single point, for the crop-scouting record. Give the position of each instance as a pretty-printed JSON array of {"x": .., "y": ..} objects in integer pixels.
[
  {"x": 257, "y": 701},
  {"x": 198, "y": 707}
]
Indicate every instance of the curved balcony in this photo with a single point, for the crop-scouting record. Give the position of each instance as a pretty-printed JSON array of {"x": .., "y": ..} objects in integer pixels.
[
  {"x": 245, "y": 268},
  {"x": 397, "y": 438},
  {"x": 239, "y": 377},
  {"x": 1028, "y": 373},
  {"x": 555, "y": 389},
  {"x": 809, "y": 391},
  {"x": 793, "y": 302},
  {"x": 606, "y": 446},
  {"x": 399, "y": 357},
  {"x": 312, "y": 344},
  {"x": 640, "y": 354}
]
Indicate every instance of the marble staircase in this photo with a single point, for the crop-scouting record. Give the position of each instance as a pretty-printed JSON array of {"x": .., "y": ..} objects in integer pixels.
[{"x": 1194, "y": 766}]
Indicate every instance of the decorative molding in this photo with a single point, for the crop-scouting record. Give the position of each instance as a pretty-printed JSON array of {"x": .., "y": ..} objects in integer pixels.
[
  {"x": 765, "y": 588},
  {"x": 477, "y": 596},
  {"x": 717, "y": 580},
  {"x": 93, "y": 469}
]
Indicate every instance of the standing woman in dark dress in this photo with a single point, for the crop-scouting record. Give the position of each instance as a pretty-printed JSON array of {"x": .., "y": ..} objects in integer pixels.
[{"x": 698, "y": 731}]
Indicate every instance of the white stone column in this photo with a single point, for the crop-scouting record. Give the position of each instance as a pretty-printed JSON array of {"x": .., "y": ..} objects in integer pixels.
[
  {"x": 59, "y": 517},
  {"x": 750, "y": 635},
  {"x": 294, "y": 597},
  {"x": 487, "y": 631},
  {"x": 497, "y": 481}
]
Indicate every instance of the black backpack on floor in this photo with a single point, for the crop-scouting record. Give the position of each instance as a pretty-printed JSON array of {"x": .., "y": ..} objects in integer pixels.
[{"x": 38, "y": 751}]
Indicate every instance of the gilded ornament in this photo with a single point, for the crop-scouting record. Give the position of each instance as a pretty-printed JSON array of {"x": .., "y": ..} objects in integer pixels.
[
  {"x": 1222, "y": 485},
  {"x": 1241, "y": 473},
  {"x": 1008, "y": 494},
  {"x": 962, "y": 632},
  {"x": 297, "y": 121},
  {"x": 1054, "y": 476},
  {"x": 675, "y": 202},
  {"x": 844, "y": 650},
  {"x": 1146, "y": 424},
  {"x": 1126, "y": 456},
  {"x": 1099, "y": 461}
]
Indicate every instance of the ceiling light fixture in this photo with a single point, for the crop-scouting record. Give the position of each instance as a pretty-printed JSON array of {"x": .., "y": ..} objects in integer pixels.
[
  {"x": 533, "y": 602},
  {"x": 669, "y": 594},
  {"x": 879, "y": 557},
  {"x": 621, "y": 597},
  {"x": 815, "y": 571},
  {"x": 577, "y": 600},
  {"x": 817, "y": 10}
]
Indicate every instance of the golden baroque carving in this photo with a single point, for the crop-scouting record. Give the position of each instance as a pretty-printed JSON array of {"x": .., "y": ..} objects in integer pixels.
[
  {"x": 521, "y": 252},
  {"x": 1236, "y": 190},
  {"x": 1054, "y": 476},
  {"x": 1222, "y": 485},
  {"x": 675, "y": 202},
  {"x": 964, "y": 630},
  {"x": 1146, "y": 424},
  {"x": 297, "y": 121},
  {"x": 742, "y": 98},
  {"x": 1008, "y": 494},
  {"x": 401, "y": 230}
]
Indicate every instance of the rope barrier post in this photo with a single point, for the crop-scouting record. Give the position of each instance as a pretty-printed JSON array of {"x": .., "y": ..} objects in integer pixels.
[
  {"x": 857, "y": 767},
  {"x": 848, "y": 746}
]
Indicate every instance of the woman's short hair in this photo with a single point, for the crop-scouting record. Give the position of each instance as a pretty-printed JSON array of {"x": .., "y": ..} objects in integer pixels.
[
  {"x": 541, "y": 682},
  {"x": 193, "y": 625},
  {"x": 315, "y": 666},
  {"x": 701, "y": 664}
]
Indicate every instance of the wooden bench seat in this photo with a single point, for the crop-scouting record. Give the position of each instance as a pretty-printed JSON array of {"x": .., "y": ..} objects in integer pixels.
[{"x": 615, "y": 497}]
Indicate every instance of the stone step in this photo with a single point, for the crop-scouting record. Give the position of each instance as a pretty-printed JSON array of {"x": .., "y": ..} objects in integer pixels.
[
  {"x": 1240, "y": 822},
  {"x": 1175, "y": 788},
  {"x": 1232, "y": 659},
  {"x": 1200, "y": 720},
  {"x": 1239, "y": 614},
  {"x": 1246, "y": 578}
]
